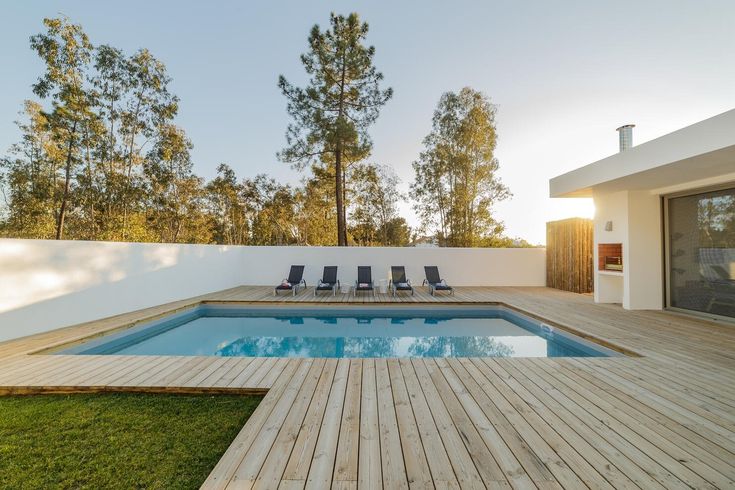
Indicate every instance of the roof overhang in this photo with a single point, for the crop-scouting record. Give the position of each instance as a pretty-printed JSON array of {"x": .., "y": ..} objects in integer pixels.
[{"x": 705, "y": 150}]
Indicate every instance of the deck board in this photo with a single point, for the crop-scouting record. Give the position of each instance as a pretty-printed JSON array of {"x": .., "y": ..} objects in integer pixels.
[{"x": 663, "y": 419}]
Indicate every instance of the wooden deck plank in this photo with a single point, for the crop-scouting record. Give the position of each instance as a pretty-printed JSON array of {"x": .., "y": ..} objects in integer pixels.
[
  {"x": 713, "y": 454},
  {"x": 462, "y": 463},
  {"x": 572, "y": 460},
  {"x": 345, "y": 464},
  {"x": 617, "y": 449},
  {"x": 436, "y": 455},
  {"x": 370, "y": 473},
  {"x": 325, "y": 452},
  {"x": 227, "y": 465},
  {"x": 297, "y": 469},
  {"x": 271, "y": 473},
  {"x": 393, "y": 467},
  {"x": 678, "y": 449},
  {"x": 532, "y": 464},
  {"x": 414, "y": 455}
]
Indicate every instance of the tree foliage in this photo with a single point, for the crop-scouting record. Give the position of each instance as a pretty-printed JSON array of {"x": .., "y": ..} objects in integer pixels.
[
  {"x": 375, "y": 208},
  {"x": 456, "y": 183}
]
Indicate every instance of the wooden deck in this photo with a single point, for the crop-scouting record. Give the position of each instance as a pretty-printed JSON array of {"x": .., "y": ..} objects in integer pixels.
[{"x": 662, "y": 420}]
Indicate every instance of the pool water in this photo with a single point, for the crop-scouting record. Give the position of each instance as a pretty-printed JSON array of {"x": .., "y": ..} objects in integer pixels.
[{"x": 342, "y": 332}]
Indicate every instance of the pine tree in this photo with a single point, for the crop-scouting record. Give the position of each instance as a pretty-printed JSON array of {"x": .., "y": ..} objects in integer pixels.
[{"x": 342, "y": 99}]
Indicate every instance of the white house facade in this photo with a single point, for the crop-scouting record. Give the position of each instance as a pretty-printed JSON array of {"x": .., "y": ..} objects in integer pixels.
[{"x": 664, "y": 226}]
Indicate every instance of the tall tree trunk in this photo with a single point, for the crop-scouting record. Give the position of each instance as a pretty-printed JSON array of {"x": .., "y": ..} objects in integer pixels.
[
  {"x": 344, "y": 201},
  {"x": 126, "y": 195},
  {"x": 341, "y": 222},
  {"x": 67, "y": 178},
  {"x": 341, "y": 232}
]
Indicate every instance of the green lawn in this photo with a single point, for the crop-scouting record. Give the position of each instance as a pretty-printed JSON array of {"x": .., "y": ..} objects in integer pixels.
[{"x": 116, "y": 440}]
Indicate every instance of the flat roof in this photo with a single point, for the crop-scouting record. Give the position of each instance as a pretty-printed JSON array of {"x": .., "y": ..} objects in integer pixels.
[{"x": 698, "y": 152}]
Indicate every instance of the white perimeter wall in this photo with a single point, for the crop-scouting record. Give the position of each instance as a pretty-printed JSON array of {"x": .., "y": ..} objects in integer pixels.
[{"x": 47, "y": 284}]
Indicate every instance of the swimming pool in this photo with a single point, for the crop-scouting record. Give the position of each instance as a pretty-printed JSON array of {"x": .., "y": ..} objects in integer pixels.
[{"x": 344, "y": 331}]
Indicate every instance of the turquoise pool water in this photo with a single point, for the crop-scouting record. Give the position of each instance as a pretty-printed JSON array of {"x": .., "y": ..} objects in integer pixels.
[{"x": 341, "y": 332}]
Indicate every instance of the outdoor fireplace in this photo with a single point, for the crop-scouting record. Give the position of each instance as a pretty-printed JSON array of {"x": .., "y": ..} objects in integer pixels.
[{"x": 610, "y": 257}]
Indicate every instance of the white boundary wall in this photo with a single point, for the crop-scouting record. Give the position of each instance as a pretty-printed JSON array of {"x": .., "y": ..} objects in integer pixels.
[{"x": 47, "y": 284}]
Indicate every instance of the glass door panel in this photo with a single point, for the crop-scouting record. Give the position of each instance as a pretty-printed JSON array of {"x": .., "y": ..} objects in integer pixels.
[{"x": 701, "y": 260}]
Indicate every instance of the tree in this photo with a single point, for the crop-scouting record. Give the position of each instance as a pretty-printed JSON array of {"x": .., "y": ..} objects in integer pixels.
[
  {"x": 375, "y": 209},
  {"x": 224, "y": 195},
  {"x": 456, "y": 185},
  {"x": 148, "y": 108},
  {"x": 66, "y": 50},
  {"x": 342, "y": 99},
  {"x": 315, "y": 211},
  {"x": 176, "y": 194},
  {"x": 29, "y": 177},
  {"x": 272, "y": 210}
]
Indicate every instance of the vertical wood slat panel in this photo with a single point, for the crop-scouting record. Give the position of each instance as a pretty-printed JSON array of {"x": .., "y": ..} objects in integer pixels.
[{"x": 569, "y": 255}]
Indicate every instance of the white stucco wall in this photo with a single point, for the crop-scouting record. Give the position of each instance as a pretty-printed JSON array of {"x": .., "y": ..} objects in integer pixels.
[
  {"x": 46, "y": 284},
  {"x": 610, "y": 207},
  {"x": 49, "y": 284},
  {"x": 459, "y": 266},
  {"x": 636, "y": 219},
  {"x": 644, "y": 274}
]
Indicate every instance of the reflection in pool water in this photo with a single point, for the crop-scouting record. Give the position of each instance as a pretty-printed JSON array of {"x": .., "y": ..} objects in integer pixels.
[{"x": 366, "y": 347}]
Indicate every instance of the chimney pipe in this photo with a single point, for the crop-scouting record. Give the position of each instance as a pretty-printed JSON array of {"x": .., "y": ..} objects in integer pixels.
[{"x": 626, "y": 136}]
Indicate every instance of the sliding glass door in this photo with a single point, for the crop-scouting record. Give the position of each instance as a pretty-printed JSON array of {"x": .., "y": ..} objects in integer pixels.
[{"x": 701, "y": 252}]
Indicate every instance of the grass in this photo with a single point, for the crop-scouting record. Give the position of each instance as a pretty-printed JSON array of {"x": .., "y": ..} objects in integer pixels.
[{"x": 116, "y": 440}]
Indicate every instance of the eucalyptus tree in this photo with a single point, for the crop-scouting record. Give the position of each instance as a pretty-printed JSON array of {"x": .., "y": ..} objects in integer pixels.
[
  {"x": 148, "y": 107},
  {"x": 112, "y": 83},
  {"x": 316, "y": 214},
  {"x": 273, "y": 210},
  {"x": 226, "y": 207},
  {"x": 375, "y": 205},
  {"x": 66, "y": 51},
  {"x": 28, "y": 179},
  {"x": 456, "y": 183},
  {"x": 342, "y": 98},
  {"x": 176, "y": 195}
]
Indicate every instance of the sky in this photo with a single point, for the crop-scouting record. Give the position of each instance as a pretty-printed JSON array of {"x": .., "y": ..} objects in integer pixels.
[{"x": 563, "y": 75}]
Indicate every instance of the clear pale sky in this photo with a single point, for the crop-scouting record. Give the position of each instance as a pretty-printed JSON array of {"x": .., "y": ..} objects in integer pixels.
[{"x": 563, "y": 74}]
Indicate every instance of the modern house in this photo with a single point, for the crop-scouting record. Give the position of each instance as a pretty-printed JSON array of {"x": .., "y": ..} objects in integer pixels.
[{"x": 664, "y": 226}]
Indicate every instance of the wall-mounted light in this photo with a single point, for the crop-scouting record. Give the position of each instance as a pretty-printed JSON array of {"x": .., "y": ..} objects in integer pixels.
[{"x": 608, "y": 226}]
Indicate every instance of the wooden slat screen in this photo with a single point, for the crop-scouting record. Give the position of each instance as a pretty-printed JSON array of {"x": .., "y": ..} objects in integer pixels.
[{"x": 569, "y": 255}]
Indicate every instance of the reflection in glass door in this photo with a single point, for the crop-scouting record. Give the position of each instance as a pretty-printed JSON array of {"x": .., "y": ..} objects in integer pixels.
[{"x": 701, "y": 252}]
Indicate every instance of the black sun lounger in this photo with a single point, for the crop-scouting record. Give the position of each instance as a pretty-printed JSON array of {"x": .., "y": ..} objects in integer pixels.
[
  {"x": 329, "y": 281},
  {"x": 398, "y": 279},
  {"x": 294, "y": 282},
  {"x": 364, "y": 279},
  {"x": 435, "y": 282}
]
